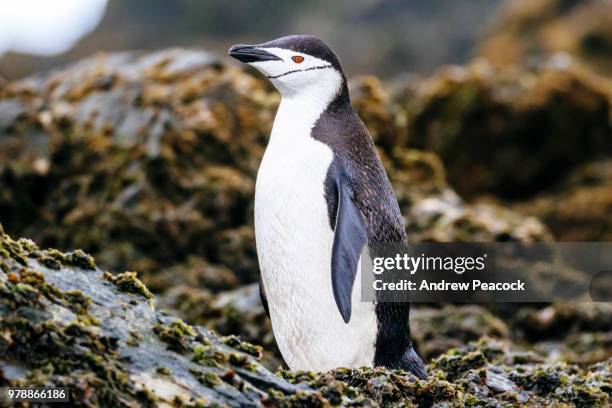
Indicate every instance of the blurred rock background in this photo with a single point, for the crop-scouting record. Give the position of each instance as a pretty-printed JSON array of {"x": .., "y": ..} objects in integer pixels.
[
  {"x": 494, "y": 122},
  {"x": 393, "y": 36}
]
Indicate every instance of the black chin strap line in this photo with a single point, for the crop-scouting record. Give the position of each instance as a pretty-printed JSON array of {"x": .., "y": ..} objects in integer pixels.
[{"x": 300, "y": 70}]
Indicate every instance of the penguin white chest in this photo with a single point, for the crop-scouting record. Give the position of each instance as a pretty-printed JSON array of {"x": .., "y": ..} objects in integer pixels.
[{"x": 294, "y": 246}]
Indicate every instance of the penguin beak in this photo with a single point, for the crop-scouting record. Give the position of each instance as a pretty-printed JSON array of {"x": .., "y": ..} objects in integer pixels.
[{"x": 248, "y": 53}]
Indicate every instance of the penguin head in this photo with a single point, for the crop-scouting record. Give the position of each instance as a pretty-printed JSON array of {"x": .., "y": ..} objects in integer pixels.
[{"x": 296, "y": 64}]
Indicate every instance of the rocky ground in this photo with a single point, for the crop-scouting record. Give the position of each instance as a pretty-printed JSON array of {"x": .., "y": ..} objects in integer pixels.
[
  {"x": 65, "y": 322},
  {"x": 147, "y": 162}
]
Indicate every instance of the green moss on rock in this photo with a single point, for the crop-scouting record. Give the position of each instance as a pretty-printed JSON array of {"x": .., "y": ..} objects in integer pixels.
[
  {"x": 67, "y": 327},
  {"x": 234, "y": 341},
  {"x": 129, "y": 282},
  {"x": 177, "y": 335}
]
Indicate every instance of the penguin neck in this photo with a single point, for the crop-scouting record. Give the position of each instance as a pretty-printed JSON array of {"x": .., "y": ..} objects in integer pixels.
[{"x": 303, "y": 108}]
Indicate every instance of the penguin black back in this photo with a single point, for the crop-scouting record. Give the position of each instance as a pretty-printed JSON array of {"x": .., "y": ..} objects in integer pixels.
[{"x": 356, "y": 159}]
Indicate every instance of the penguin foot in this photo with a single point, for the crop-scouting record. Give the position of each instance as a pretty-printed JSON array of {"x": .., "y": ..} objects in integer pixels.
[{"x": 412, "y": 362}]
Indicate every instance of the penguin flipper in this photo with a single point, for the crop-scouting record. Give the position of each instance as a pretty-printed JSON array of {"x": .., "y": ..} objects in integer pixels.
[{"x": 350, "y": 236}]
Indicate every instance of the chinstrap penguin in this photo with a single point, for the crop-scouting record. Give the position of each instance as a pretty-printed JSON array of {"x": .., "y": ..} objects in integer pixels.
[{"x": 322, "y": 194}]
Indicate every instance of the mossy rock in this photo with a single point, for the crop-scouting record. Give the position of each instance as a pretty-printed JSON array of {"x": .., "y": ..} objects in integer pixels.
[
  {"x": 70, "y": 324},
  {"x": 74, "y": 326}
]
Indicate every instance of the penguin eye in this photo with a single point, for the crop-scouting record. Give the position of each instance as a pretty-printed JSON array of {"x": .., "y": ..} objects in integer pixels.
[{"x": 298, "y": 59}]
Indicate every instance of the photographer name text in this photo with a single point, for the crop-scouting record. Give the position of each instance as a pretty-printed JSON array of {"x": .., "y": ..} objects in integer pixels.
[{"x": 424, "y": 285}]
